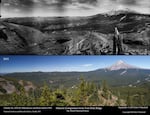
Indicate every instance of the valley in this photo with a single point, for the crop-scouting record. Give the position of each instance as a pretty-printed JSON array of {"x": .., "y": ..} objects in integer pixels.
[
  {"x": 91, "y": 35},
  {"x": 119, "y": 74},
  {"x": 120, "y": 84}
]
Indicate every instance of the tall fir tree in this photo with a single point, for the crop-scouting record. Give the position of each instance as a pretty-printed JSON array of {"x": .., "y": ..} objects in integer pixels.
[
  {"x": 141, "y": 100},
  {"x": 46, "y": 97},
  {"x": 129, "y": 100}
]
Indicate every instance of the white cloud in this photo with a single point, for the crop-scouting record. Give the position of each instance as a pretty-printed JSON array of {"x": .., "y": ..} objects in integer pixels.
[
  {"x": 78, "y": 6},
  {"x": 70, "y": 7},
  {"x": 65, "y": 68},
  {"x": 16, "y": 10},
  {"x": 6, "y": 4},
  {"x": 87, "y": 65}
]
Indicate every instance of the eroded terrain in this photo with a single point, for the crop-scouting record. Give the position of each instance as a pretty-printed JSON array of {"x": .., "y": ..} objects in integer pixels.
[{"x": 91, "y": 35}]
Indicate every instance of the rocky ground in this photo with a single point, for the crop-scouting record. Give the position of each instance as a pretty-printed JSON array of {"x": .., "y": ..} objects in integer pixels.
[
  {"x": 91, "y": 35},
  {"x": 9, "y": 86}
]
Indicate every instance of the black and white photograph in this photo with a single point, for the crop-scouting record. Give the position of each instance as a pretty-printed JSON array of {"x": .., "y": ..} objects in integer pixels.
[
  {"x": 75, "y": 56},
  {"x": 75, "y": 27}
]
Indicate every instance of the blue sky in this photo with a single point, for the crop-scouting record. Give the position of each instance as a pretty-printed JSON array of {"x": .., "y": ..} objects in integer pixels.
[{"x": 66, "y": 63}]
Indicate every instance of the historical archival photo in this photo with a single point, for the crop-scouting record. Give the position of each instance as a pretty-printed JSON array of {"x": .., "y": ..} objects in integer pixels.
[{"x": 75, "y": 27}]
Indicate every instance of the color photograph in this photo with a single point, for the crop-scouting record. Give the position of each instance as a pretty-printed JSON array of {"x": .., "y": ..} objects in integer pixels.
[
  {"x": 75, "y": 81},
  {"x": 75, "y": 56}
]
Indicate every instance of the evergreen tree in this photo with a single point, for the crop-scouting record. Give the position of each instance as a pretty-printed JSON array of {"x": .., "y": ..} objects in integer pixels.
[
  {"x": 141, "y": 100},
  {"x": 14, "y": 99},
  {"x": 81, "y": 93},
  {"x": 23, "y": 97},
  {"x": 20, "y": 99},
  {"x": 59, "y": 98},
  {"x": 105, "y": 90},
  {"x": 46, "y": 97},
  {"x": 129, "y": 100},
  {"x": 104, "y": 86},
  {"x": 119, "y": 100},
  {"x": 94, "y": 98},
  {"x": 32, "y": 101}
]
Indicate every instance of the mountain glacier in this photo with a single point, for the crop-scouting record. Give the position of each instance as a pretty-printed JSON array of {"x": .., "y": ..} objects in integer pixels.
[{"x": 121, "y": 65}]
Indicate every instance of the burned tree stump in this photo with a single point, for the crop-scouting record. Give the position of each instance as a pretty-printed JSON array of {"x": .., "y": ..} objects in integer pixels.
[
  {"x": 114, "y": 46},
  {"x": 117, "y": 43},
  {"x": 3, "y": 35}
]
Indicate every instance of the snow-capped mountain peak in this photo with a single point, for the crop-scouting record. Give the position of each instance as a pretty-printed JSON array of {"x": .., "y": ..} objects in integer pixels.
[
  {"x": 120, "y": 62},
  {"x": 120, "y": 11},
  {"x": 121, "y": 65}
]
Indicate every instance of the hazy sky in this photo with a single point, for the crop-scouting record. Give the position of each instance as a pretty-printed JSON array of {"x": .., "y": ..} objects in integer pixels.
[
  {"x": 15, "y": 8},
  {"x": 66, "y": 63}
]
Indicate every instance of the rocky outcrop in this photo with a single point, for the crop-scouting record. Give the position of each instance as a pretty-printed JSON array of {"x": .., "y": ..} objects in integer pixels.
[
  {"x": 18, "y": 39},
  {"x": 91, "y": 35},
  {"x": 9, "y": 86},
  {"x": 6, "y": 86},
  {"x": 27, "y": 85}
]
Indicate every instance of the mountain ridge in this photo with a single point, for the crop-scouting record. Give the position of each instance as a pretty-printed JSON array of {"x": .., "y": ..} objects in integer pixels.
[
  {"x": 117, "y": 76},
  {"x": 72, "y": 36},
  {"x": 121, "y": 65},
  {"x": 121, "y": 11}
]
